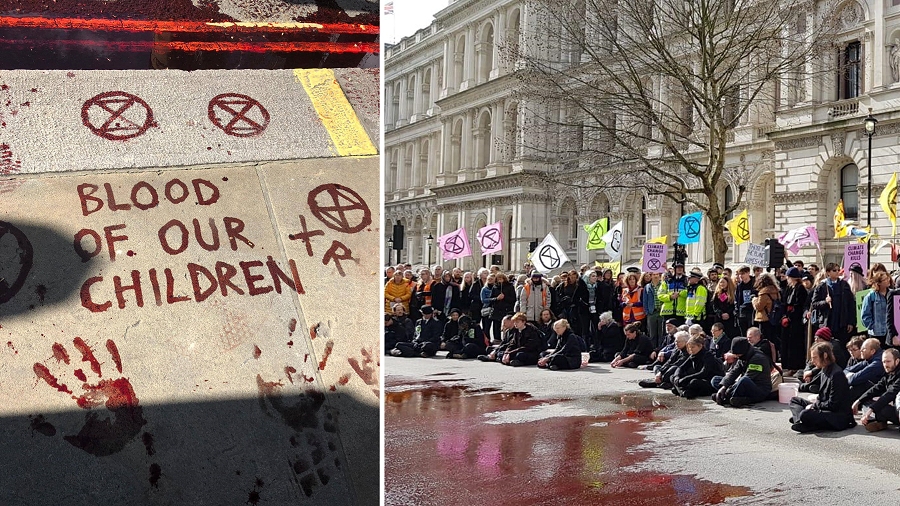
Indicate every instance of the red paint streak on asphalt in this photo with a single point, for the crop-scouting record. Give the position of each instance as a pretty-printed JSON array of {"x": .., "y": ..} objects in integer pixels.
[
  {"x": 138, "y": 25},
  {"x": 43, "y": 373},
  {"x": 437, "y": 437},
  {"x": 250, "y": 47},
  {"x": 87, "y": 355},
  {"x": 59, "y": 353},
  {"x": 328, "y": 347},
  {"x": 114, "y": 352}
]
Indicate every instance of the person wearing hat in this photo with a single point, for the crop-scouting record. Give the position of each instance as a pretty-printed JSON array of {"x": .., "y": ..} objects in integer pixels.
[
  {"x": 695, "y": 298},
  {"x": 792, "y": 327},
  {"x": 672, "y": 296},
  {"x": 468, "y": 342},
  {"x": 667, "y": 343},
  {"x": 451, "y": 327},
  {"x": 748, "y": 380},
  {"x": 833, "y": 408},
  {"x": 633, "y": 270},
  {"x": 533, "y": 297},
  {"x": 427, "y": 338},
  {"x": 834, "y": 301}
]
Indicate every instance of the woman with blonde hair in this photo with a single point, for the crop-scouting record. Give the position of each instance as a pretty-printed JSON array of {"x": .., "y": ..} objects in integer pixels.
[{"x": 567, "y": 353}]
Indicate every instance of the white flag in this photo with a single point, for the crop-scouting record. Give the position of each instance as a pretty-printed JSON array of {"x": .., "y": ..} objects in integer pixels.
[
  {"x": 548, "y": 255},
  {"x": 614, "y": 241}
]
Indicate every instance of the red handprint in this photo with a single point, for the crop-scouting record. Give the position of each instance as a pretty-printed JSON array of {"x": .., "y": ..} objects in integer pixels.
[{"x": 110, "y": 434}]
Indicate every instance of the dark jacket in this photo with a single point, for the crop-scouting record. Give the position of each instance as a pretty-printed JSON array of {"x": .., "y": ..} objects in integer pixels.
[
  {"x": 393, "y": 334},
  {"x": 886, "y": 390},
  {"x": 640, "y": 345},
  {"x": 473, "y": 335},
  {"x": 843, "y": 305},
  {"x": 743, "y": 295},
  {"x": 474, "y": 299},
  {"x": 569, "y": 346},
  {"x": 439, "y": 297},
  {"x": 609, "y": 337},
  {"x": 429, "y": 331},
  {"x": 528, "y": 340},
  {"x": 668, "y": 368},
  {"x": 753, "y": 365},
  {"x": 702, "y": 366},
  {"x": 451, "y": 329},
  {"x": 794, "y": 299},
  {"x": 575, "y": 296},
  {"x": 721, "y": 347},
  {"x": 767, "y": 349},
  {"x": 408, "y": 326},
  {"x": 834, "y": 392},
  {"x": 503, "y": 307},
  {"x": 865, "y": 371}
]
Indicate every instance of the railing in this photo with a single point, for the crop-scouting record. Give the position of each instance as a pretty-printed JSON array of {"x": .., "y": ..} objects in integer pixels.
[{"x": 841, "y": 108}]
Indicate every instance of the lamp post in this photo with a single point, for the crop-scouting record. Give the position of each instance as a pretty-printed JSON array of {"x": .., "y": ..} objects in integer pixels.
[
  {"x": 869, "y": 123},
  {"x": 430, "y": 240},
  {"x": 390, "y": 245}
]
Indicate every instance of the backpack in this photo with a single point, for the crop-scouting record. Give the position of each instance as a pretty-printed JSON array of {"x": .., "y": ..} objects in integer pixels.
[{"x": 777, "y": 312}]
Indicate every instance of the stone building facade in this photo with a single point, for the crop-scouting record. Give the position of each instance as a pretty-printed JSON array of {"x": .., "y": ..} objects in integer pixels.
[{"x": 456, "y": 153}]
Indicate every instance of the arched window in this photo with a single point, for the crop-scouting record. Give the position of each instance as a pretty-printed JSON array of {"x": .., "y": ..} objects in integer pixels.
[{"x": 849, "y": 191}]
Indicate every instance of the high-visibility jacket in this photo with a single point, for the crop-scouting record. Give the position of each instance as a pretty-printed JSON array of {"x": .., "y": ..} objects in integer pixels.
[
  {"x": 695, "y": 302},
  {"x": 635, "y": 313}
]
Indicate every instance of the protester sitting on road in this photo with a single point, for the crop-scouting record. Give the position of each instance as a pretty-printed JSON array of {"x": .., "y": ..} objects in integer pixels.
[
  {"x": 693, "y": 377},
  {"x": 567, "y": 353},
  {"x": 755, "y": 336},
  {"x": 427, "y": 338},
  {"x": 853, "y": 349},
  {"x": 404, "y": 321},
  {"x": 495, "y": 352},
  {"x": 663, "y": 373},
  {"x": 880, "y": 399},
  {"x": 667, "y": 344},
  {"x": 525, "y": 343},
  {"x": 545, "y": 327},
  {"x": 469, "y": 341},
  {"x": 863, "y": 375},
  {"x": 721, "y": 343},
  {"x": 809, "y": 380},
  {"x": 609, "y": 339},
  {"x": 393, "y": 333},
  {"x": 637, "y": 348},
  {"x": 832, "y": 410},
  {"x": 748, "y": 380},
  {"x": 451, "y": 327}
]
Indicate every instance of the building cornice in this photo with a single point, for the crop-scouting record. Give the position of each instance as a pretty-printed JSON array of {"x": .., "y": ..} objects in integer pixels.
[
  {"x": 510, "y": 181},
  {"x": 799, "y": 197},
  {"x": 498, "y": 88}
]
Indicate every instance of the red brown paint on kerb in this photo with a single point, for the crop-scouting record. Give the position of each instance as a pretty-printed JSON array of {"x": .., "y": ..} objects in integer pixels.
[
  {"x": 288, "y": 370},
  {"x": 256, "y": 352},
  {"x": 9, "y": 344},
  {"x": 155, "y": 473},
  {"x": 292, "y": 326},
  {"x": 314, "y": 331},
  {"x": 43, "y": 373},
  {"x": 328, "y": 347},
  {"x": 80, "y": 374},
  {"x": 114, "y": 352},
  {"x": 87, "y": 355},
  {"x": 60, "y": 354},
  {"x": 343, "y": 380}
]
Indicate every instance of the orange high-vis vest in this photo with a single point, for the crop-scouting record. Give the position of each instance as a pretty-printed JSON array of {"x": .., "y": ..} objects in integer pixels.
[{"x": 633, "y": 313}]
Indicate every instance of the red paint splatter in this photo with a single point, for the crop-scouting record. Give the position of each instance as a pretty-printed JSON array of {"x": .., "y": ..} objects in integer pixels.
[
  {"x": 25, "y": 104},
  {"x": 4, "y": 87},
  {"x": 305, "y": 358},
  {"x": 224, "y": 179},
  {"x": 8, "y": 166},
  {"x": 253, "y": 498},
  {"x": 288, "y": 371},
  {"x": 87, "y": 355},
  {"x": 70, "y": 74},
  {"x": 328, "y": 347},
  {"x": 309, "y": 379},
  {"x": 292, "y": 326},
  {"x": 147, "y": 439},
  {"x": 43, "y": 373},
  {"x": 332, "y": 388},
  {"x": 59, "y": 353},
  {"x": 365, "y": 372},
  {"x": 9, "y": 344},
  {"x": 80, "y": 375},
  {"x": 344, "y": 379},
  {"x": 34, "y": 90},
  {"x": 289, "y": 343},
  {"x": 155, "y": 473},
  {"x": 256, "y": 352},
  {"x": 117, "y": 393},
  {"x": 114, "y": 352},
  {"x": 130, "y": 253}
]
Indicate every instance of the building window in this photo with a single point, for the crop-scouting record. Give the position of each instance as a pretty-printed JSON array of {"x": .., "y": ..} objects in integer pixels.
[
  {"x": 849, "y": 191},
  {"x": 851, "y": 70}
]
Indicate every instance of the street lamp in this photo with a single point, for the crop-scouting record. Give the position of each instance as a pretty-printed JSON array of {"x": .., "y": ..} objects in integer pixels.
[
  {"x": 390, "y": 245},
  {"x": 870, "y": 123},
  {"x": 430, "y": 240}
]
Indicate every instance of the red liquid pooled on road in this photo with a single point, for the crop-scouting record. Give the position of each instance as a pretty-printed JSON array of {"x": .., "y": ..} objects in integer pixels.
[{"x": 439, "y": 449}]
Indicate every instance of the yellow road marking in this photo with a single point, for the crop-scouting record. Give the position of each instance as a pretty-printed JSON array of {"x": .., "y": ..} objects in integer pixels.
[
  {"x": 255, "y": 24},
  {"x": 336, "y": 113}
]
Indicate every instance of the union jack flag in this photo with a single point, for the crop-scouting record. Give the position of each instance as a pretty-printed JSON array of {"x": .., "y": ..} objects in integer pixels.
[{"x": 388, "y": 8}]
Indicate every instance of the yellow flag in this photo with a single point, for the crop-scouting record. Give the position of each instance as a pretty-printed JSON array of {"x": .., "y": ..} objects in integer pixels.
[
  {"x": 888, "y": 201},
  {"x": 739, "y": 226},
  {"x": 659, "y": 240},
  {"x": 840, "y": 228},
  {"x": 596, "y": 231},
  {"x": 615, "y": 267}
]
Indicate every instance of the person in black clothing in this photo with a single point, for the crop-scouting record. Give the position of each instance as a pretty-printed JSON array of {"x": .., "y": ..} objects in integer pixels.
[
  {"x": 793, "y": 335},
  {"x": 665, "y": 371},
  {"x": 721, "y": 342},
  {"x": 393, "y": 334},
  {"x": 427, "y": 338},
  {"x": 474, "y": 295},
  {"x": 494, "y": 353},
  {"x": 608, "y": 341},
  {"x": 468, "y": 342},
  {"x": 754, "y": 335},
  {"x": 748, "y": 380},
  {"x": 892, "y": 339},
  {"x": 525, "y": 343},
  {"x": 834, "y": 298},
  {"x": 693, "y": 377},
  {"x": 722, "y": 306},
  {"x": 404, "y": 321},
  {"x": 744, "y": 292},
  {"x": 637, "y": 350},
  {"x": 832, "y": 410},
  {"x": 545, "y": 327},
  {"x": 881, "y": 398},
  {"x": 445, "y": 296},
  {"x": 502, "y": 299},
  {"x": 573, "y": 297},
  {"x": 567, "y": 352},
  {"x": 451, "y": 327},
  {"x": 809, "y": 379}
]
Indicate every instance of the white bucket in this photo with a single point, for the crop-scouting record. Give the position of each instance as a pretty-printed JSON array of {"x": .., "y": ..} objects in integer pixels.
[
  {"x": 786, "y": 391},
  {"x": 585, "y": 357}
]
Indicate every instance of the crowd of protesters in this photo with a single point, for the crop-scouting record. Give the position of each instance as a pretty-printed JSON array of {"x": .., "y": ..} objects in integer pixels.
[{"x": 730, "y": 335}]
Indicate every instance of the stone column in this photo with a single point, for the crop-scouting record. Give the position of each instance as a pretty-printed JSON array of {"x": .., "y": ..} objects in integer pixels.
[
  {"x": 404, "y": 110},
  {"x": 401, "y": 167},
  {"x": 449, "y": 61},
  {"x": 417, "y": 96},
  {"x": 468, "y": 150},
  {"x": 499, "y": 30},
  {"x": 469, "y": 60}
]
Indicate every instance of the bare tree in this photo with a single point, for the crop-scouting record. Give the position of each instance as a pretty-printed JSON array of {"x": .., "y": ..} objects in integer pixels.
[{"x": 653, "y": 90}]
